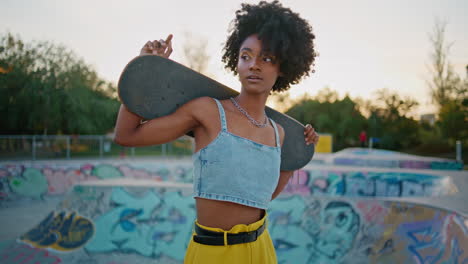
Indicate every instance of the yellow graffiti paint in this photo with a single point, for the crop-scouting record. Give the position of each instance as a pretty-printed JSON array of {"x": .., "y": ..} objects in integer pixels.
[
  {"x": 401, "y": 213},
  {"x": 61, "y": 231}
]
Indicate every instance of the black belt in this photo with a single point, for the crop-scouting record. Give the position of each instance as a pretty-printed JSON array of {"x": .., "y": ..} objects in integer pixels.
[{"x": 211, "y": 238}]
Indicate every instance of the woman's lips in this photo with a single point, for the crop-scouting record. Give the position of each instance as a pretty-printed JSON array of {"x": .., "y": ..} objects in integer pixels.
[{"x": 254, "y": 78}]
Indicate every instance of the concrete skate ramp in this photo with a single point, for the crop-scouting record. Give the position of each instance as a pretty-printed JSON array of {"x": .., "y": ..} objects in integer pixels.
[
  {"x": 364, "y": 157},
  {"x": 48, "y": 179},
  {"x": 131, "y": 211},
  {"x": 121, "y": 221}
]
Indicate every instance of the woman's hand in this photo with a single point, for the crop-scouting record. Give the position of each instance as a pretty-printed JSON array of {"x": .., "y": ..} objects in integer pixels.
[
  {"x": 310, "y": 135},
  {"x": 160, "y": 47}
]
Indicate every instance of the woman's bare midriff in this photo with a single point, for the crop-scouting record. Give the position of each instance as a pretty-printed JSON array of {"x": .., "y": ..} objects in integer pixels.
[{"x": 225, "y": 215}]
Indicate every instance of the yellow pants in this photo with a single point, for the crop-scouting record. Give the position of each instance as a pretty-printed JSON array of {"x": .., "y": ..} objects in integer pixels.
[{"x": 260, "y": 251}]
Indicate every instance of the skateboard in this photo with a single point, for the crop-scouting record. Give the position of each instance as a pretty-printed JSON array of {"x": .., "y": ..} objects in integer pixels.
[{"x": 151, "y": 86}]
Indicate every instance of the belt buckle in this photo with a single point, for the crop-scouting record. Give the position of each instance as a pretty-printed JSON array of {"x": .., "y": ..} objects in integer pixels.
[{"x": 254, "y": 232}]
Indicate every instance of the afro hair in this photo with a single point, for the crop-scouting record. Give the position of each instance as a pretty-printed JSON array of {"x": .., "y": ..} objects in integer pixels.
[{"x": 284, "y": 34}]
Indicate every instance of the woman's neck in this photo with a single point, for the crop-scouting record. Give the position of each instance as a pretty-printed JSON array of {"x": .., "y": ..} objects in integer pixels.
[{"x": 253, "y": 104}]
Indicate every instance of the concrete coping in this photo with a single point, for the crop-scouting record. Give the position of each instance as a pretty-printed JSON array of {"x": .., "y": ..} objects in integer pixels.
[{"x": 128, "y": 182}]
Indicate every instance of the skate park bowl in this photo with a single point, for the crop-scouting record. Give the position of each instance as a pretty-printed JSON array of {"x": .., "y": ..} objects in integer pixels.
[
  {"x": 142, "y": 211},
  {"x": 364, "y": 157}
]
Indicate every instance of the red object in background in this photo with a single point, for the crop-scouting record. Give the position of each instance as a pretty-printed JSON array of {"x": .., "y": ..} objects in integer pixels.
[{"x": 363, "y": 138}]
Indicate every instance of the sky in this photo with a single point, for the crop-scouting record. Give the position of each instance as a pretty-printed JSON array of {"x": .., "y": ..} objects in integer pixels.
[{"x": 364, "y": 45}]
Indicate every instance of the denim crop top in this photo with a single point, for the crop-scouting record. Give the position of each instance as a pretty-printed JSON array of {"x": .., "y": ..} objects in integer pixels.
[{"x": 236, "y": 169}]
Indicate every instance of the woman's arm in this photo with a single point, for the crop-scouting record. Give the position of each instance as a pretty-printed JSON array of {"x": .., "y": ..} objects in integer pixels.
[
  {"x": 311, "y": 137},
  {"x": 283, "y": 180},
  {"x": 284, "y": 175},
  {"x": 131, "y": 131}
]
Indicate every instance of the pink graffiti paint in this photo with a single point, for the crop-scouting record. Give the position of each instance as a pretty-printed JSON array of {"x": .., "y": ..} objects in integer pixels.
[
  {"x": 415, "y": 164},
  {"x": 321, "y": 183},
  {"x": 60, "y": 180},
  {"x": 3, "y": 173},
  {"x": 23, "y": 254},
  {"x": 137, "y": 173},
  {"x": 87, "y": 168},
  {"x": 372, "y": 212},
  {"x": 297, "y": 184}
]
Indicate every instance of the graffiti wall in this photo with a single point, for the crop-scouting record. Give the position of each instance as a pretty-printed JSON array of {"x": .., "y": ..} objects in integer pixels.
[
  {"x": 395, "y": 163},
  {"x": 364, "y": 157},
  {"x": 154, "y": 224},
  {"x": 42, "y": 179},
  {"x": 368, "y": 183},
  {"x": 61, "y": 231},
  {"x": 24, "y": 254}
]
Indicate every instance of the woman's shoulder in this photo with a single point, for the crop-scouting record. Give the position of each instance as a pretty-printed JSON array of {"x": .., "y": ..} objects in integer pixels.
[
  {"x": 202, "y": 105},
  {"x": 201, "y": 101}
]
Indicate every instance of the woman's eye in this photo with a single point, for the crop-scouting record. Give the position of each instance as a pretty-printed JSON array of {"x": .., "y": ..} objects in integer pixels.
[
  {"x": 244, "y": 57},
  {"x": 267, "y": 59}
]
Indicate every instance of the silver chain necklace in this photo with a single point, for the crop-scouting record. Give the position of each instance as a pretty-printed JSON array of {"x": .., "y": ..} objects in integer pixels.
[{"x": 253, "y": 121}]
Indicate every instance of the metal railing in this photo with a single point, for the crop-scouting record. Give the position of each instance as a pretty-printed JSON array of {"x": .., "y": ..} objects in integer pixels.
[{"x": 34, "y": 147}]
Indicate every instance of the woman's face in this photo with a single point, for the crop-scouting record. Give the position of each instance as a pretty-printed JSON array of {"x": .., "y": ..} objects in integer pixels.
[{"x": 258, "y": 69}]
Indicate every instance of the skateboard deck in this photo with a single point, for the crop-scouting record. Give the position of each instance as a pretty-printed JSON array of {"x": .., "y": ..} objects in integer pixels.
[{"x": 151, "y": 86}]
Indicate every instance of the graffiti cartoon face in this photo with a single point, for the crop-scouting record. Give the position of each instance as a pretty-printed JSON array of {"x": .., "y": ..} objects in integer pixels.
[{"x": 339, "y": 225}]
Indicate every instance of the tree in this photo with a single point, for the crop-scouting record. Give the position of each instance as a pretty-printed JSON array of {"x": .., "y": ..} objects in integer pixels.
[
  {"x": 46, "y": 89},
  {"x": 280, "y": 101},
  {"x": 195, "y": 53},
  {"x": 447, "y": 89},
  {"x": 329, "y": 114},
  {"x": 390, "y": 121},
  {"x": 453, "y": 120},
  {"x": 394, "y": 105},
  {"x": 443, "y": 79}
]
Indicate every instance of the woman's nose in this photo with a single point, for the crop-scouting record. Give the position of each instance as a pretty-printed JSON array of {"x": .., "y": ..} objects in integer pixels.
[{"x": 254, "y": 64}]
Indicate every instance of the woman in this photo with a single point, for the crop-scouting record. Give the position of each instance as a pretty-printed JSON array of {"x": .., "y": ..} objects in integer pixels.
[{"x": 238, "y": 148}]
